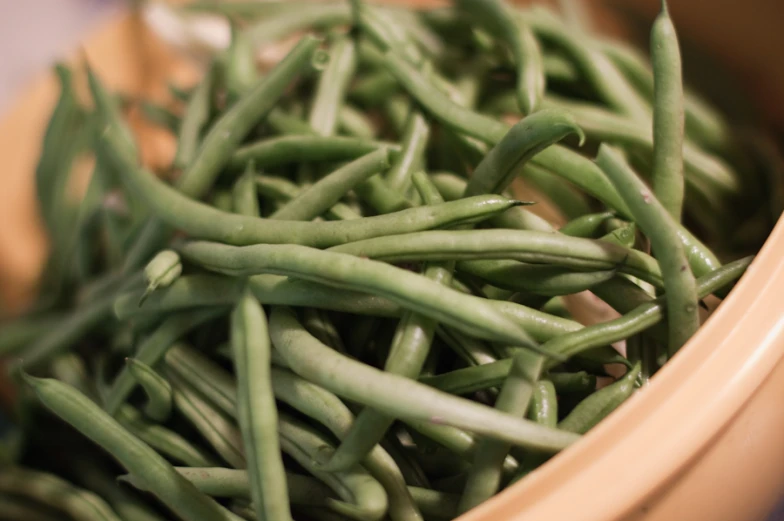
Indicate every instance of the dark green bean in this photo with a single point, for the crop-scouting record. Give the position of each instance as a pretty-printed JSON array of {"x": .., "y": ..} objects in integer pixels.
[
  {"x": 600, "y": 404},
  {"x": 668, "y": 115}
]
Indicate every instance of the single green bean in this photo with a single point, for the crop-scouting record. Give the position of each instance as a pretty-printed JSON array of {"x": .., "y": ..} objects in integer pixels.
[
  {"x": 600, "y": 404},
  {"x": 415, "y": 139},
  {"x": 380, "y": 197},
  {"x": 173, "y": 490},
  {"x": 157, "y": 389},
  {"x": 544, "y": 406},
  {"x": 570, "y": 202},
  {"x": 257, "y": 411},
  {"x": 538, "y": 279},
  {"x": 244, "y": 192},
  {"x": 332, "y": 86},
  {"x": 586, "y": 226},
  {"x": 161, "y": 271},
  {"x": 661, "y": 229},
  {"x": 240, "y": 63},
  {"x": 523, "y": 141},
  {"x": 410, "y": 400},
  {"x": 484, "y": 477},
  {"x": 668, "y": 115},
  {"x": 527, "y": 246},
  {"x": 326, "y": 192},
  {"x": 469, "y": 314}
]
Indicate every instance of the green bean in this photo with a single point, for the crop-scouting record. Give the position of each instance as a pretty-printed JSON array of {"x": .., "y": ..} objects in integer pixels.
[
  {"x": 607, "y": 81},
  {"x": 281, "y": 189},
  {"x": 317, "y": 321},
  {"x": 14, "y": 509},
  {"x": 668, "y": 118},
  {"x": 661, "y": 229},
  {"x": 353, "y": 122},
  {"x": 194, "y": 119},
  {"x": 586, "y": 226},
  {"x": 332, "y": 86},
  {"x": 470, "y": 350},
  {"x": 407, "y": 356},
  {"x": 161, "y": 272},
  {"x": 153, "y": 349},
  {"x": 415, "y": 139},
  {"x": 568, "y": 383},
  {"x": 326, "y": 192},
  {"x": 385, "y": 32},
  {"x": 566, "y": 199},
  {"x": 240, "y": 63},
  {"x": 256, "y": 408},
  {"x": 307, "y": 398},
  {"x": 625, "y": 236},
  {"x": 497, "y": 19},
  {"x": 204, "y": 221},
  {"x": 642, "y": 317},
  {"x": 703, "y": 123},
  {"x": 367, "y": 497},
  {"x": 527, "y": 246},
  {"x": 523, "y": 141},
  {"x": 469, "y": 314},
  {"x": 214, "y": 427},
  {"x": 544, "y": 280},
  {"x": 452, "y": 187},
  {"x": 379, "y": 196},
  {"x": 244, "y": 193},
  {"x": 109, "y": 113},
  {"x": 373, "y": 88},
  {"x": 163, "y": 440},
  {"x": 138, "y": 458},
  {"x": 286, "y": 124},
  {"x": 600, "y": 404},
  {"x": 196, "y": 291},
  {"x": 372, "y": 387},
  {"x": 157, "y": 389},
  {"x": 52, "y": 491},
  {"x": 484, "y": 478},
  {"x": 544, "y": 406},
  {"x": 235, "y": 483}
]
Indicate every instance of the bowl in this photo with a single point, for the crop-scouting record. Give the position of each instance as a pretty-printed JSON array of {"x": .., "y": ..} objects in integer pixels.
[{"x": 702, "y": 441}]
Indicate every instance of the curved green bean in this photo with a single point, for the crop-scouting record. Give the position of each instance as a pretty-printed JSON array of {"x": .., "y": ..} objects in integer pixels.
[
  {"x": 157, "y": 389},
  {"x": 661, "y": 229}
]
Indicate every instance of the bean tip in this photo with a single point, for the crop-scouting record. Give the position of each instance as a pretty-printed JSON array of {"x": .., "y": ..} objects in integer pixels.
[{"x": 515, "y": 202}]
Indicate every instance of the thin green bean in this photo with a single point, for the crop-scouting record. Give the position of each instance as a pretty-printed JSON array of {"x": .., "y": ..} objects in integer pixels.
[{"x": 157, "y": 389}]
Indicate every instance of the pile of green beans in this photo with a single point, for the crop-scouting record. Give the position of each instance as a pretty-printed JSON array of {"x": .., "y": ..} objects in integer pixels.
[{"x": 332, "y": 306}]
